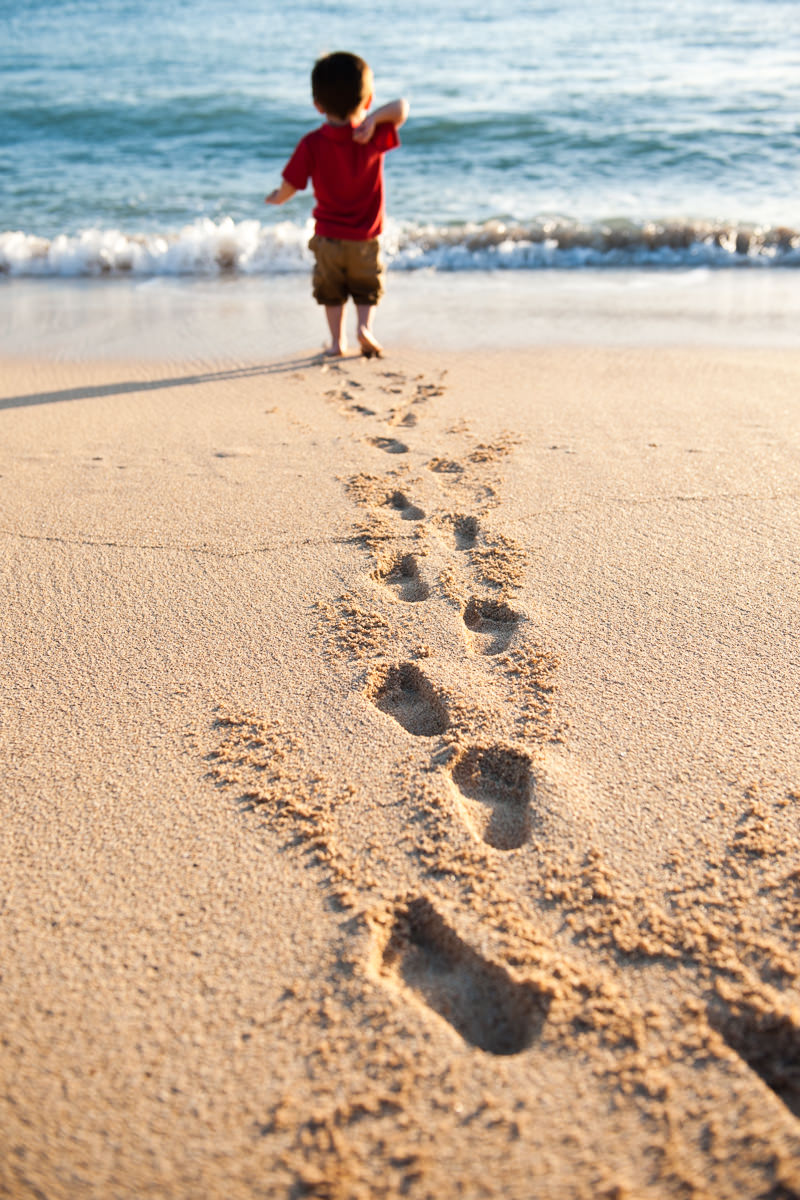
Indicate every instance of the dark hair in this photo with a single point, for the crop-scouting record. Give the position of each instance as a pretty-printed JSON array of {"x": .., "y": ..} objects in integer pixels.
[{"x": 340, "y": 83}]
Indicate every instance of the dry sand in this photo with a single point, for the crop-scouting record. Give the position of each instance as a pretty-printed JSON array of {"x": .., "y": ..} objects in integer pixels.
[{"x": 401, "y": 776}]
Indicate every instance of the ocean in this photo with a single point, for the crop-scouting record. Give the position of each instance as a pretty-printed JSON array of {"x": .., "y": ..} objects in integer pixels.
[{"x": 139, "y": 139}]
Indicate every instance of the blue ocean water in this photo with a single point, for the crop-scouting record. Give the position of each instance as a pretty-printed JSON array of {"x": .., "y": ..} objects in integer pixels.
[{"x": 138, "y": 137}]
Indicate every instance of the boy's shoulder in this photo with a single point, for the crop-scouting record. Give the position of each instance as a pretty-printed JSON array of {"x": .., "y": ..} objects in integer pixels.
[
  {"x": 320, "y": 152},
  {"x": 323, "y": 134},
  {"x": 384, "y": 137}
]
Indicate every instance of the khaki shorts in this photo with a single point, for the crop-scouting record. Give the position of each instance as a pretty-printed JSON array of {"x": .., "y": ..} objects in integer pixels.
[{"x": 343, "y": 268}]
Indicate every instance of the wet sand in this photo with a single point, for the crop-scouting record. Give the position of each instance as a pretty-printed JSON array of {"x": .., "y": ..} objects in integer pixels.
[{"x": 401, "y": 780}]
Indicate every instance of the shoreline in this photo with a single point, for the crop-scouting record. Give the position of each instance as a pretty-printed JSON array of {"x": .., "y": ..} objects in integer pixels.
[{"x": 257, "y": 318}]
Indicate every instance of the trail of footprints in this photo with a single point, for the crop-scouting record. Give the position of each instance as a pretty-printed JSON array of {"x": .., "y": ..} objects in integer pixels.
[
  {"x": 493, "y": 785},
  {"x": 433, "y": 546}
]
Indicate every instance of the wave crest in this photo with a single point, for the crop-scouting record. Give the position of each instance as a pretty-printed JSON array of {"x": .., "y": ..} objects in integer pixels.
[
  {"x": 562, "y": 243},
  {"x": 249, "y": 248},
  {"x": 204, "y": 248}
]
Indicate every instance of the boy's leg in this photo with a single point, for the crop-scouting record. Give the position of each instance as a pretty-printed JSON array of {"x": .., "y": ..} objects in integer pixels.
[
  {"x": 370, "y": 346},
  {"x": 335, "y": 316},
  {"x": 366, "y": 274},
  {"x": 329, "y": 289}
]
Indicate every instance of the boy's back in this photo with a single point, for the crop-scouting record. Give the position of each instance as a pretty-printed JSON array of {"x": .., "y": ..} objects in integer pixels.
[{"x": 347, "y": 177}]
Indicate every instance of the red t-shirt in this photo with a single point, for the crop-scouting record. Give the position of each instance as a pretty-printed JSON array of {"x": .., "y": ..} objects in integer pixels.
[{"x": 347, "y": 179}]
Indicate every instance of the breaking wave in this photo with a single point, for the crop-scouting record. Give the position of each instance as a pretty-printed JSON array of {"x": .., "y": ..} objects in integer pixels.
[{"x": 208, "y": 248}]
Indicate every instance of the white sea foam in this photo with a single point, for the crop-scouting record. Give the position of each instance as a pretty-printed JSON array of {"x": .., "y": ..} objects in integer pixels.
[
  {"x": 208, "y": 248},
  {"x": 203, "y": 248}
]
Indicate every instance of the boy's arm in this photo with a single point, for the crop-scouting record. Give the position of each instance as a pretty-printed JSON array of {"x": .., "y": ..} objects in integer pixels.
[
  {"x": 395, "y": 112},
  {"x": 281, "y": 194}
]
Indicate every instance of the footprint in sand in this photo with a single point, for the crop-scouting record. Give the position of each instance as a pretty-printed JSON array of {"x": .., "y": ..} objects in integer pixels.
[
  {"x": 401, "y": 504},
  {"x": 465, "y": 532},
  {"x": 490, "y": 625},
  {"x": 462, "y": 529},
  {"x": 495, "y": 787},
  {"x": 479, "y": 998},
  {"x": 350, "y": 406},
  {"x": 389, "y": 444},
  {"x": 358, "y": 410},
  {"x": 399, "y": 416},
  {"x": 401, "y": 576},
  {"x": 404, "y": 693},
  {"x": 396, "y": 379},
  {"x": 768, "y": 1042},
  {"x": 446, "y": 467}
]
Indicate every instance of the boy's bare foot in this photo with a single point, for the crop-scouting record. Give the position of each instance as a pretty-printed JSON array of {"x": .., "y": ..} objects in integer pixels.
[
  {"x": 337, "y": 350},
  {"x": 370, "y": 346}
]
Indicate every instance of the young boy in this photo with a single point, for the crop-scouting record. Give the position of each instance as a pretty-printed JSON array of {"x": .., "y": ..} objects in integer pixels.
[{"x": 344, "y": 160}]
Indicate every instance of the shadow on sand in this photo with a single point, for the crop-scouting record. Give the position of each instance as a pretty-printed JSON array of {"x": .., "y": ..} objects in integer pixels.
[{"x": 122, "y": 388}]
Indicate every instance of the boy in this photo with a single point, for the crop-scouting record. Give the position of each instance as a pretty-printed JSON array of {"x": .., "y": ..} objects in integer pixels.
[{"x": 344, "y": 160}]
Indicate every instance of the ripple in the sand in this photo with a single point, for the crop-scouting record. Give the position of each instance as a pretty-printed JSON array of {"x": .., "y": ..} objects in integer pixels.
[
  {"x": 404, "y": 693},
  {"x": 495, "y": 786},
  {"x": 401, "y": 576},
  {"x": 478, "y": 998},
  {"x": 490, "y": 624}
]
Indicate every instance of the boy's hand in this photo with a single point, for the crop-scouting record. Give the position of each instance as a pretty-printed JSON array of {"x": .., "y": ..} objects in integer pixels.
[
  {"x": 394, "y": 112},
  {"x": 281, "y": 194},
  {"x": 365, "y": 130}
]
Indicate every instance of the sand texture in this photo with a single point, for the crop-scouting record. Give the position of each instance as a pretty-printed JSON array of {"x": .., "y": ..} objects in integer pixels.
[{"x": 401, "y": 777}]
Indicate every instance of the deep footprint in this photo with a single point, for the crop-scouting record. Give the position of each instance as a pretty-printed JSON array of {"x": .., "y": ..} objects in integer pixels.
[
  {"x": 462, "y": 529},
  {"x": 360, "y": 409},
  {"x": 446, "y": 466},
  {"x": 401, "y": 575},
  {"x": 496, "y": 787},
  {"x": 491, "y": 624},
  {"x": 390, "y": 445},
  {"x": 478, "y": 998},
  {"x": 404, "y": 693},
  {"x": 465, "y": 532},
  {"x": 770, "y": 1045},
  {"x": 407, "y": 510}
]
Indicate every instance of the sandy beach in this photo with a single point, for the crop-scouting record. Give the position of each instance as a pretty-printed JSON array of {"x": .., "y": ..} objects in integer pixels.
[{"x": 400, "y": 763}]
